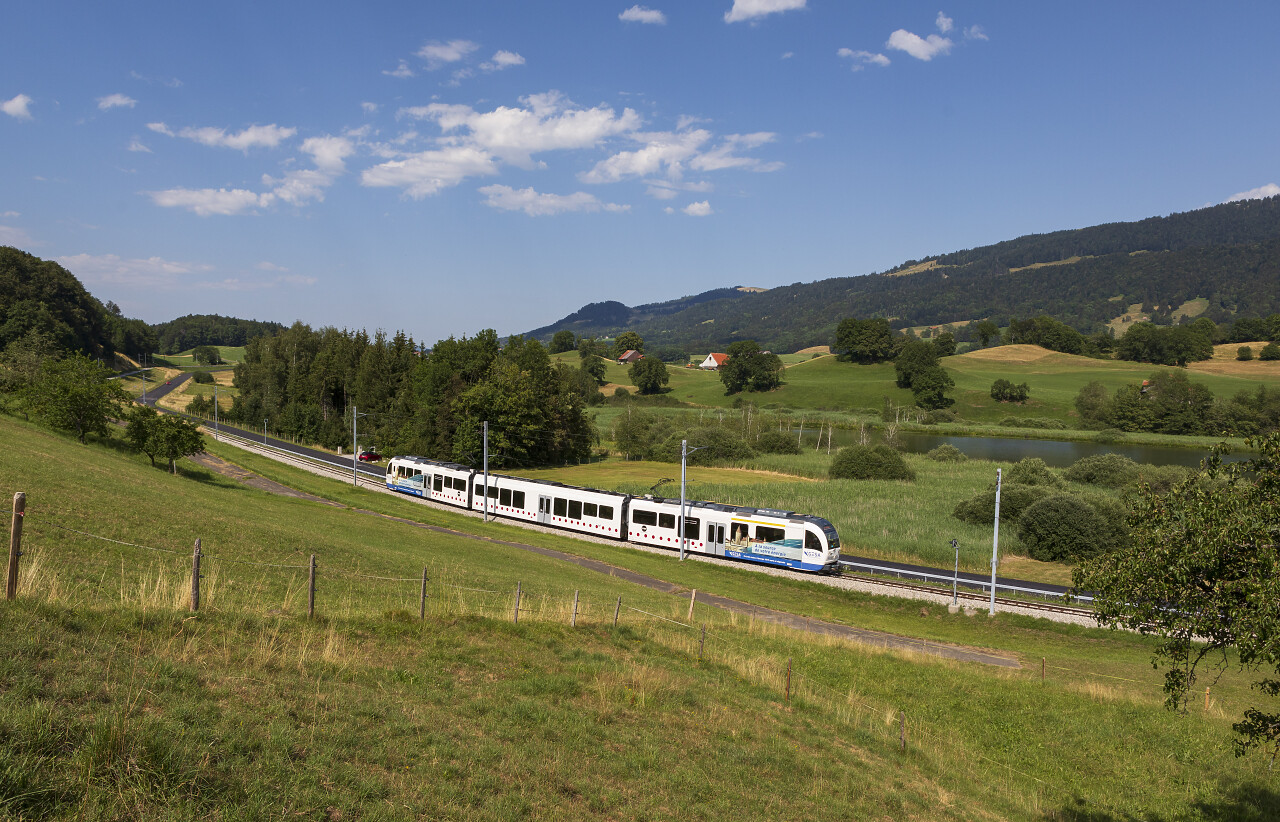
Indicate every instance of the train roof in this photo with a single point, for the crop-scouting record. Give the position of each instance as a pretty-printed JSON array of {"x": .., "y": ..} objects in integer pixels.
[{"x": 424, "y": 461}]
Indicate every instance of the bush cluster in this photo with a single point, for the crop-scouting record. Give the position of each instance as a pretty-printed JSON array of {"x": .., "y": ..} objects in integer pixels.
[
  {"x": 867, "y": 462},
  {"x": 777, "y": 442},
  {"x": 1108, "y": 470},
  {"x": 947, "y": 453},
  {"x": 1061, "y": 527},
  {"x": 203, "y": 377},
  {"x": 1033, "y": 422},
  {"x": 1014, "y": 500}
]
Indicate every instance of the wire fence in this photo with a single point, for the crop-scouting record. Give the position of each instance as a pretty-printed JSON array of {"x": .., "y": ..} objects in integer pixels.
[{"x": 714, "y": 641}]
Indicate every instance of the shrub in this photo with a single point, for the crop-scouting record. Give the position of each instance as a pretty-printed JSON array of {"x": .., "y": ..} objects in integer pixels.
[
  {"x": 1032, "y": 471},
  {"x": 1004, "y": 391},
  {"x": 203, "y": 377},
  {"x": 713, "y": 444},
  {"x": 1014, "y": 499},
  {"x": 1270, "y": 351},
  {"x": 941, "y": 415},
  {"x": 1033, "y": 422},
  {"x": 621, "y": 393},
  {"x": 200, "y": 406},
  {"x": 1062, "y": 527},
  {"x": 1244, "y": 353},
  {"x": 947, "y": 453},
  {"x": 1110, "y": 435},
  {"x": 867, "y": 462},
  {"x": 1161, "y": 477},
  {"x": 1108, "y": 470},
  {"x": 777, "y": 442}
]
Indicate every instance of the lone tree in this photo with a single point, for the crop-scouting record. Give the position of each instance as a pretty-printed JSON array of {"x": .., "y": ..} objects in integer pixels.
[
  {"x": 206, "y": 355},
  {"x": 164, "y": 436},
  {"x": 562, "y": 341},
  {"x": 75, "y": 394},
  {"x": 864, "y": 341},
  {"x": 627, "y": 341},
  {"x": 1202, "y": 573},
  {"x": 750, "y": 368},
  {"x": 649, "y": 375}
]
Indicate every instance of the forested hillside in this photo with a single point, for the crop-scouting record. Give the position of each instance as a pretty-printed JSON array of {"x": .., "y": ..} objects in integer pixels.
[
  {"x": 210, "y": 329},
  {"x": 1228, "y": 255},
  {"x": 40, "y": 299}
]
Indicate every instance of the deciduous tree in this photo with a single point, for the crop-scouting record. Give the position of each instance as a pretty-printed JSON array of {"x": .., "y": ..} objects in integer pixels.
[
  {"x": 75, "y": 394},
  {"x": 649, "y": 375}
]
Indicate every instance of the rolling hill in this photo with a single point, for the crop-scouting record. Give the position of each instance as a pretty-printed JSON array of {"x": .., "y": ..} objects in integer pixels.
[{"x": 1224, "y": 260}]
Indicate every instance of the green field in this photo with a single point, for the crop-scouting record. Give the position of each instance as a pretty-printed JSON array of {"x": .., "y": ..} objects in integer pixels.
[
  {"x": 231, "y": 354},
  {"x": 115, "y": 702}
]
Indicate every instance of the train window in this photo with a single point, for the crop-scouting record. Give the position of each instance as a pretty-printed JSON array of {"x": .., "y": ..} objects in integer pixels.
[
  {"x": 690, "y": 528},
  {"x": 479, "y": 490},
  {"x": 667, "y": 521},
  {"x": 560, "y": 507},
  {"x": 589, "y": 509},
  {"x": 812, "y": 542},
  {"x": 644, "y": 517},
  {"x": 575, "y": 509},
  {"x": 606, "y": 512},
  {"x": 493, "y": 492},
  {"x": 436, "y": 484},
  {"x": 766, "y": 534},
  {"x": 517, "y": 499},
  {"x": 504, "y": 498}
]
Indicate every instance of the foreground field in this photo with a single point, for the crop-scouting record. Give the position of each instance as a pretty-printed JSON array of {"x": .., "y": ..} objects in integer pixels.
[{"x": 115, "y": 702}]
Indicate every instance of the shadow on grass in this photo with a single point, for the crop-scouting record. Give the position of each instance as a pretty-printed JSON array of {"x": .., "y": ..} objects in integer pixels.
[{"x": 1243, "y": 802}]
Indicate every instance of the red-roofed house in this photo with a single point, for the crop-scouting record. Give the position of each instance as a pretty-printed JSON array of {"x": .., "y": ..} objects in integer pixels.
[
  {"x": 714, "y": 361},
  {"x": 630, "y": 356}
]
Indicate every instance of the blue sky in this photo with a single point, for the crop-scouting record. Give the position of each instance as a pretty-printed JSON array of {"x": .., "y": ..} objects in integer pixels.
[{"x": 446, "y": 167}]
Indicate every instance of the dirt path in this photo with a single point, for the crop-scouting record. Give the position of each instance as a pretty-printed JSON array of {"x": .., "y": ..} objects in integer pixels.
[{"x": 799, "y": 623}]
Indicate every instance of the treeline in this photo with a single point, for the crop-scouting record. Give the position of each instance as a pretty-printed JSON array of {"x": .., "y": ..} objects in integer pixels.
[
  {"x": 1169, "y": 403},
  {"x": 210, "y": 329},
  {"x": 43, "y": 305},
  {"x": 306, "y": 383}
]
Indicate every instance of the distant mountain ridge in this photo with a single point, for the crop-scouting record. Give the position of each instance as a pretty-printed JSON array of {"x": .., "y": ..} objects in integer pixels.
[{"x": 1228, "y": 255}]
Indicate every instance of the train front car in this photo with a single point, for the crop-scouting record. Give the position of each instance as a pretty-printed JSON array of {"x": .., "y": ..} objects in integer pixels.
[{"x": 783, "y": 538}]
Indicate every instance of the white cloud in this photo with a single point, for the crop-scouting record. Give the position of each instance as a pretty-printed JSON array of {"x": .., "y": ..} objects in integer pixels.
[
  {"x": 502, "y": 60},
  {"x": 547, "y": 123},
  {"x": 161, "y": 128},
  {"x": 19, "y": 107},
  {"x": 670, "y": 189},
  {"x": 266, "y": 266},
  {"x": 402, "y": 71},
  {"x": 752, "y": 9},
  {"x": 700, "y": 209},
  {"x": 787, "y": 55},
  {"x": 116, "y": 101},
  {"x": 437, "y": 54},
  {"x": 945, "y": 23},
  {"x": 8, "y": 214},
  {"x": 369, "y": 108},
  {"x": 16, "y": 237},
  {"x": 328, "y": 153},
  {"x": 209, "y": 201},
  {"x": 975, "y": 33},
  {"x": 641, "y": 14},
  {"x": 724, "y": 155},
  {"x": 921, "y": 48},
  {"x": 661, "y": 192},
  {"x": 862, "y": 59},
  {"x": 137, "y": 145},
  {"x": 662, "y": 150},
  {"x": 151, "y": 272},
  {"x": 428, "y": 172},
  {"x": 1259, "y": 193},
  {"x": 541, "y": 205},
  {"x": 269, "y": 136}
]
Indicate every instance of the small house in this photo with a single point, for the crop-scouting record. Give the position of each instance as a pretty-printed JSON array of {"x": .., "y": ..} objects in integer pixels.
[
  {"x": 714, "y": 361},
  {"x": 629, "y": 356}
]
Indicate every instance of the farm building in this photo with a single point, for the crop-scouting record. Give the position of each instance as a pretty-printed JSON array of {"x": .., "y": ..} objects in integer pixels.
[{"x": 714, "y": 361}]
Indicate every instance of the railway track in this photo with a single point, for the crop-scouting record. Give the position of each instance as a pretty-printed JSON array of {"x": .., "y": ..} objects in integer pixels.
[{"x": 374, "y": 480}]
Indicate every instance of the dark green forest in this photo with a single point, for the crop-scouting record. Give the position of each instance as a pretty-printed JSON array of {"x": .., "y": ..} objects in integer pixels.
[
  {"x": 1228, "y": 254},
  {"x": 210, "y": 329}
]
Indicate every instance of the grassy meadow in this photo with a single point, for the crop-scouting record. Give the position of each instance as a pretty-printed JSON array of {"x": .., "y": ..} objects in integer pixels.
[{"x": 116, "y": 702}]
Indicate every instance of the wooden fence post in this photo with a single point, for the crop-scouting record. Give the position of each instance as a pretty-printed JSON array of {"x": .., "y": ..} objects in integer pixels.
[
  {"x": 1206, "y": 697},
  {"x": 422, "y": 601},
  {"x": 195, "y": 577},
  {"x": 311, "y": 589},
  {"x": 693, "y": 597},
  {"x": 15, "y": 543},
  {"x": 516, "y": 616},
  {"x": 573, "y": 620},
  {"x": 616, "y": 610},
  {"x": 1041, "y": 670},
  {"x": 702, "y": 642}
]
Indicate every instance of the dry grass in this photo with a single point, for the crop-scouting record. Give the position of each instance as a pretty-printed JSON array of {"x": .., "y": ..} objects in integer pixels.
[
  {"x": 1224, "y": 363},
  {"x": 1067, "y": 261},
  {"x": 815, "y": 349},
  {"x": 927, "y": 265},
  {"x": 1016, "y": 353}
]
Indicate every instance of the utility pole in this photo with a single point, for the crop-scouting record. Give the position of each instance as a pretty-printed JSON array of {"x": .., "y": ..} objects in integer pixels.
[
  {"x": 486, "y": 471},
  {"x": 264, "y": 430},
  {"x": 355, "y": 454},
  {"x": 955, "y": 579},
  {"x": 215, "y": 410},
  {"x": 995, "y": 546},
  {"x": 685, "y": 451}
]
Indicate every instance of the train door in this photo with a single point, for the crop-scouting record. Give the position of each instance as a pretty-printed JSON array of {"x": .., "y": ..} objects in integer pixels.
[
  {"x": 544, "y": 509},
  {"x": 715, "y": 538}
]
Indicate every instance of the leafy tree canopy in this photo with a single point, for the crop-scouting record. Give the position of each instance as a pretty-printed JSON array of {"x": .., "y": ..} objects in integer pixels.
[
  {"x": 627, "y": 341},
  {"x": 562, "y": 341},
  {"x": 649, "y": 375},
  {"x": 1202, "y": 574},
  {"x": 75, "y": 394},
  {"x": 749, "y": 368},
  {"x": 864, "y": 341}
]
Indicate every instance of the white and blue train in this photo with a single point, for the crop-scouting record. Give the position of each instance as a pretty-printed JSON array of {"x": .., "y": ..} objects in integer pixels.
[{"x": 760, "y": 535}]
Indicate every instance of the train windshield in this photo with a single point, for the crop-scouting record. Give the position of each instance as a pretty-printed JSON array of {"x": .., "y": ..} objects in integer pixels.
[{"x": 833, "y": 539}]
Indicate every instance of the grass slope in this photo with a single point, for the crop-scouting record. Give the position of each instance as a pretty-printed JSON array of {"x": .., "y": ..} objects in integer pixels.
[{"x": 117, "y": 703}]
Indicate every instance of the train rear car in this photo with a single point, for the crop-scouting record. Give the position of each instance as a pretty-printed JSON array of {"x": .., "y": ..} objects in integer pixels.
[{"x": 444, "y": 482}]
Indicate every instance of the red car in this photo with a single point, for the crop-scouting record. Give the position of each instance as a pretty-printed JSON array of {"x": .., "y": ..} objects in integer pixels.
[{"x": 369, "y": 455}]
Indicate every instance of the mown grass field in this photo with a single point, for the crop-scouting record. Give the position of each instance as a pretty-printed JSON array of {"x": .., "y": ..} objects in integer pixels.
[
  {"x": 231, "y": 354},
  {"x": 115, "y": 702}
]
